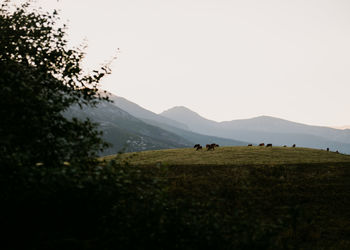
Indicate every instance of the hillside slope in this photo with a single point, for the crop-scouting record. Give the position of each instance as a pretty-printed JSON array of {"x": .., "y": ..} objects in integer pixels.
[{"x": 125, "y": 132}]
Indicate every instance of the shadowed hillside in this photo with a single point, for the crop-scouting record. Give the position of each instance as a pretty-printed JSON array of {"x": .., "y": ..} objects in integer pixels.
[{"x": 127, "y": 133}]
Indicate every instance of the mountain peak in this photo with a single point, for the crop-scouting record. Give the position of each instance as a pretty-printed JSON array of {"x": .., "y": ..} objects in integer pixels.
[
  {"x": 179, "y": 109},
  {"x": 187, "y": 116},
  {"x": 266, "y": 117}
]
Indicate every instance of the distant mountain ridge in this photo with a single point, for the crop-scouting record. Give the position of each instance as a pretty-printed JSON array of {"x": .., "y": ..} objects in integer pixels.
[
  {"x": 134, "y": 128},
  {"x": 130, "y": 127},
  {"x": 264, "y": 129},
  {"x": 342, "y": 127},
  {"x": 170, "y": 125},
  {"x": 142, "y": 113}
]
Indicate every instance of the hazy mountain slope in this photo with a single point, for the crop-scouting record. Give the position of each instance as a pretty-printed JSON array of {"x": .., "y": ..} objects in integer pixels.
[
  {"x": 143, "y": 114},
  {"x": 126, "y": 132},
  {"x": 194, "y": 121},
  {"x": 346, "y": 127},
  {"x": 304, "y": 140},
  {"x": 199, "y": 138},
  {"x": 277, "y": 125},
  {"x": 265, "y": 129},
  {"x": 170, "y": 125}
]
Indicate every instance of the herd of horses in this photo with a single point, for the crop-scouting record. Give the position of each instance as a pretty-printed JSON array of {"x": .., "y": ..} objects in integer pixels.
[
  {"x": 208, "y": 146},
  {"x": 214, "y": 145}
]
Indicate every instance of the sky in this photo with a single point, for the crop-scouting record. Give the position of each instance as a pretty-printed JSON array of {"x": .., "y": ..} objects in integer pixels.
[{"x": 224, "y": 59}]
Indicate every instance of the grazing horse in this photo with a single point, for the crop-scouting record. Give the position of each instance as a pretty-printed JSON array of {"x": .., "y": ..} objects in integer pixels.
[
  {"x": 293, "y": 146},
  {"x": 269, "y": 145},
  {"x": 249, "y": 145},
  {"x": 196, "y": 146},
  {"x": 199, "y": 147},
  {"x": 261, "y": 144},
  {"x": 210, "y": 146}
]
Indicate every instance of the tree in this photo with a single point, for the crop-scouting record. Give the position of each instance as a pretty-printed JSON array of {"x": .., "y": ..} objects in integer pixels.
[{"x": 40, "y": 78}]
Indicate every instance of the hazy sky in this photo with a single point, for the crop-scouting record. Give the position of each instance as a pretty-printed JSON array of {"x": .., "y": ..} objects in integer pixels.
[{"x": 224, "y": 59}]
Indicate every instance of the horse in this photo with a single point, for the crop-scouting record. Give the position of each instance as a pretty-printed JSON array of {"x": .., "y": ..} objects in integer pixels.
[
  {"x": 293, "y": 146},
  {"x": 249, "y": 145},
  {"x": 261, "y": 144},
  {"x": 210, "y": 146},
  {"x": 269, "y": 145}
]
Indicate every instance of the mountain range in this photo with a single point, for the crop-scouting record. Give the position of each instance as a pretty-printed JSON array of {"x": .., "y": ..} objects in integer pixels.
[
  {"x": 265, "y": 129},
  {"x": 343, "y": 127},
  {"x": 130, "y": 127}
]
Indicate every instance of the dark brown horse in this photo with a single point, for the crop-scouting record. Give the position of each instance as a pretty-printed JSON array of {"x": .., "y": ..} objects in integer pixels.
[
  {"x": 261, "y": 144},
  {"x": 269, "y": 145},
  {"x": 210, "y": 146}
]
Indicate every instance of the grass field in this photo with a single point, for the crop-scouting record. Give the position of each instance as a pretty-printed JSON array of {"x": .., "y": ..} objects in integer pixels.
[
  {"x": 253, "y": 197},
  {"x": 234, "y": 156}
]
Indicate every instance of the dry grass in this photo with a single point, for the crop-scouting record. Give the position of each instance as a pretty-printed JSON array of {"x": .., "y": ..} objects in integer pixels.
[{"x": 235, "y": 156}]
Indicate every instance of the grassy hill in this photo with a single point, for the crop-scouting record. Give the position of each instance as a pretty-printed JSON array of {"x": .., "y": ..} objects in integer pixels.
[
  {"x": 234, "y": 156},
  {"x": 250, "y": 197}
]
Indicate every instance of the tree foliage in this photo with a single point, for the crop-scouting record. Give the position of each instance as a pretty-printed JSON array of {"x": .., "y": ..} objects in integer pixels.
[{"x": 40, "y": 78}]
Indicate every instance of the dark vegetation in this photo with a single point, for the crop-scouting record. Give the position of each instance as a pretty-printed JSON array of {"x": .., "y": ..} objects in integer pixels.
[
  {"x": 40, "y": 78},
  {"x": 55, "y": 194},
  {"x": 296, "y": 206}
]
